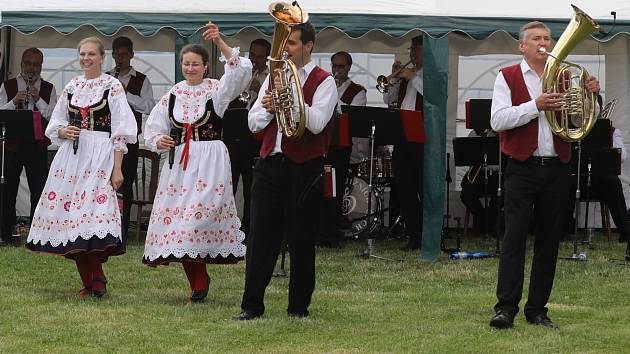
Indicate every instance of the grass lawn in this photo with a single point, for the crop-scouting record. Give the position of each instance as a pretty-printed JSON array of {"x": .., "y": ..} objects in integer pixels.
[{"x": 359, "y": 306}]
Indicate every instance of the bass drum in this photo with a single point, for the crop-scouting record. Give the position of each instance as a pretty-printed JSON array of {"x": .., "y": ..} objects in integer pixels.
[{"x": 355, "y": 206}]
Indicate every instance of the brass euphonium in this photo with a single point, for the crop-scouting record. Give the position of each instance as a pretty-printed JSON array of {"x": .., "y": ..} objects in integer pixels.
[
  {"x": 283, "y": 74},
  {"x": 577, "y": 116}
]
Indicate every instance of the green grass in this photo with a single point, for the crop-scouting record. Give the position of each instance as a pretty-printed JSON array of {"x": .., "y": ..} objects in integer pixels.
[{"x": 359, "y": 306}]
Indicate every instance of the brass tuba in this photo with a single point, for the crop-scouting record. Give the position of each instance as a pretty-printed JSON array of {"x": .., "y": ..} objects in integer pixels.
[
  {"x": 283, "y": 74},
  {"x": 577, "y": 116}
]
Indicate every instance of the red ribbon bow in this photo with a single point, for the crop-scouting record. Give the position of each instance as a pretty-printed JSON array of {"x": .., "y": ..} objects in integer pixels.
[
  {"x": 84, "y": 113},
  {"x": 186, "y": 152}
]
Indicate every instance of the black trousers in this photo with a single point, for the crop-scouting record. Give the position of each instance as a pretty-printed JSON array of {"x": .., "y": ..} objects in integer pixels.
[
  {"x": 540, "y": 189},
  {"x": 408, "y": 163},
  {"x": 130, "y": 173},
  {"x": 285, "y": 196},
  {"x": 33, "y": 158},
  {"x": 242, "y": 156},
  {"x": 329, "y": 227},
  {"x": 472, "y": 195}
]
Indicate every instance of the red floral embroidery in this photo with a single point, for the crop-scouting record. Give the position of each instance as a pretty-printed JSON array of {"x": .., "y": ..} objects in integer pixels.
[
  {"x": 102, "y": 198},
  {"x": 198, "y": 215},
  {"x": 167, "y": 220},
  {"x": 52, "y": 195},
  {"x": 66, "y": 206}
]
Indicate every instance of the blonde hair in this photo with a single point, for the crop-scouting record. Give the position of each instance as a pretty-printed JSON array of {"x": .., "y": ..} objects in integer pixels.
[{"x": 95, "y": 40}]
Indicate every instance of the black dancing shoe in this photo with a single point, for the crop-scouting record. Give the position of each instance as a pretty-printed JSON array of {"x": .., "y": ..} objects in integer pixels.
[
  {"x": 198, "y": 296},
  {"x": 99, "y": 293}
]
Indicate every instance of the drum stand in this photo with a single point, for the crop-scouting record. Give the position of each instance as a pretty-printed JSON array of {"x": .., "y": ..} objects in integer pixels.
[
  {"x": 369, "y": 241},
  {"x": 447, "y": 216},
  {"x": 581, "y": 257}
]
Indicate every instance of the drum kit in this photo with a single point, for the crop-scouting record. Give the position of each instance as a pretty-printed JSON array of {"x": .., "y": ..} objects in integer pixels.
[{"x": 356, "y": 197}]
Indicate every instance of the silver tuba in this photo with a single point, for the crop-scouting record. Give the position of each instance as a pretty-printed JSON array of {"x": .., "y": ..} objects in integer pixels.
[{"x": 283, "y": 74}]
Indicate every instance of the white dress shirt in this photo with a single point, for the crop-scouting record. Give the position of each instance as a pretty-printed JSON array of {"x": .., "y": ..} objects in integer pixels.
[
  {"x": 44, "y": 108},
  {"x": 143, "y": 103},
  {"x": 414, "y": 86},
  {"x": 317, "y": 115}
]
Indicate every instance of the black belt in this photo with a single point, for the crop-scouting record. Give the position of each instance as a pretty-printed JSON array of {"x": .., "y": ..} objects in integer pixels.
[{"x": 543, "y": 160}]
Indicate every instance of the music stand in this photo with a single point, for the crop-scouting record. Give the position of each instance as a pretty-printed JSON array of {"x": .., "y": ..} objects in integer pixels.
[
  {"x": 14, "y": 124},
  {"x": 599, "y": 138},
  {"x": 378, "y": 124},
  {"x": 471, "y": 151}
]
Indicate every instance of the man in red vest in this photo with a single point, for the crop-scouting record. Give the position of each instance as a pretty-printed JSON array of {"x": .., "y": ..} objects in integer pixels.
[
  {"x": 341, "y": 151},
  {"x": 30, "y": 92},
  {"x": 140, "y": 99},
  {"x": 408, "y": 157},
  {"x": 287, "y": 188},
  {"x": 536, "y": 178}
]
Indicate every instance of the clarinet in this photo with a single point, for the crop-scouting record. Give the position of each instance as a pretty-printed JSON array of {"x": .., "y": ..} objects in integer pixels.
[
  {"x": 29, "y": 82},
  {"x": 171, "y": 152},
  {"x": 117, "y": 71}
]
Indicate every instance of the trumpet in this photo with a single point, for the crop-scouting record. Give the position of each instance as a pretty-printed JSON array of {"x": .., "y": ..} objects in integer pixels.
[
  {"x": 245, "y": 95},
  {"x": 384, "y": 82}
]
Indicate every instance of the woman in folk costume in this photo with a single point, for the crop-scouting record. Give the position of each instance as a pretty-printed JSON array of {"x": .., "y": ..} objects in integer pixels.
[
  {"x": 194, "y": 219},
  {"x": 77, "y": 216}
]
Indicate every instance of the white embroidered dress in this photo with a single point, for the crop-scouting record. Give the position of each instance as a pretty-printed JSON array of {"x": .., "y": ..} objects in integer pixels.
[
  {"x": 78, "y": 199},
  {"x": 194, "y": 214}
]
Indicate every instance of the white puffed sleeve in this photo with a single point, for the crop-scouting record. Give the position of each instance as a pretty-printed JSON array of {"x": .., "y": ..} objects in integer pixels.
[
  {"x": 124, "y": 128},
  {"x": 59, "y": 117},
  {"x": 237, "y": 73},
  {"x": 158, "y": 124}
]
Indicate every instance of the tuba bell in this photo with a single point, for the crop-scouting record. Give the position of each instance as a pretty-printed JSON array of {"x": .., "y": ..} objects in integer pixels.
[
  {"x": 577, "y": 116},
  {"x": 283, "y": 74}
]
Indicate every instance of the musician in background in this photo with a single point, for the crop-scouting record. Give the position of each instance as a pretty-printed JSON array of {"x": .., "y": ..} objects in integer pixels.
[
  {"x": 609, "y": 190},
  {"x": 244, "y": 151},
  {"x": 340, "y": 156},
  {"x": 408, "y": 157},
  {"x": 287, "y": 188},
  {"x": 139, "y": 94},
  {"x": 27, "y": 91},
  {"x": 473, "y": 189},
  {"x": 535, "y": 178}
]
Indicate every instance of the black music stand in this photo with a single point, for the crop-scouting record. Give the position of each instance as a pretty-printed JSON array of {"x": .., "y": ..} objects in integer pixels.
[
  {"x": 382, "y": 125},
  {"x": 599, "y": 138},
  {"x": 14, "y": 124},
  {"x": 471, "y": 151}
]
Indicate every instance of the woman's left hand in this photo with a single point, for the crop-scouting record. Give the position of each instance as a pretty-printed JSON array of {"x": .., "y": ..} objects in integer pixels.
[
  {"x": 212, "y": 33},
  {"x": 117, "y": 178}
]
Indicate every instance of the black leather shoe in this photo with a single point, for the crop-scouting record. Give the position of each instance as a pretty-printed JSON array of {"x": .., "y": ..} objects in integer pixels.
[
  {"x": 246, "y": 315},
  {"x": 502, "y": 320},
  {"x": 300, "y": 314},
  {"x": 542, "y": 320}
]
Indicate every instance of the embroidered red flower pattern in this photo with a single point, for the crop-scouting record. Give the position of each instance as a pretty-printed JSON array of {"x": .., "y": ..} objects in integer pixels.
[
  {"x": 52, "y": 195},
  {"x": 66, "y": 206},
  {"x": 102, "y": 198}
]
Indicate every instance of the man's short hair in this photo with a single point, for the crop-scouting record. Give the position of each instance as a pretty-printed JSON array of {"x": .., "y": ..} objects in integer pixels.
[
  {"x": 263, "y": 43},
  {"x": 33, "y": 50},
  {"x": 307, "y": 32},
  {"x": 530, "y": 25},
  {"x": 122, "y": 42},
  {"x": 343, "y": 54}
]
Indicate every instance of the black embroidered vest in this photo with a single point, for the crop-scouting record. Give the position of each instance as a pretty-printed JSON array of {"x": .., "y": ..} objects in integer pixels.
[
  {"x": 206, "y": 128},
  {"x": 98, "y": 117}
]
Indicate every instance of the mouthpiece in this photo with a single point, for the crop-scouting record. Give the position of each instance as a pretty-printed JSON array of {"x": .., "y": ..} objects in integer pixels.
[{"x": 542, "y": 50}]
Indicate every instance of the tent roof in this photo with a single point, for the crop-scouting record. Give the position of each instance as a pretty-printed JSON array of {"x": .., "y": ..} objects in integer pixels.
[{"x": 354, "y": 18}]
